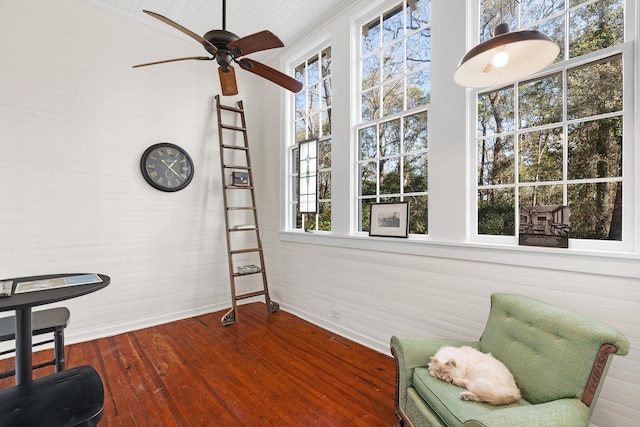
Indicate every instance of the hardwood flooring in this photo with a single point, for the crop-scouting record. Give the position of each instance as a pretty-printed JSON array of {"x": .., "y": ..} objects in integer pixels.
[{"x": 265, "y": 370}]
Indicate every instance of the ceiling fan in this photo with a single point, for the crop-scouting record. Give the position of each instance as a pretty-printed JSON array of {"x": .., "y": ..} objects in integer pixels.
[{"x": 228, "y": 48}]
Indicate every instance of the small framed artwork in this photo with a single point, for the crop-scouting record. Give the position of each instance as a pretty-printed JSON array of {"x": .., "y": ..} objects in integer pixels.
[
  {"x": 545, "y": 225},
  {"x": 389, "y": 219},
  {"x": 240, "y": 178}
]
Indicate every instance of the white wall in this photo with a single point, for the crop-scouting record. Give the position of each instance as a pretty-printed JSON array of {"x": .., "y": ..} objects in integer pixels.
[
  {"x": 74, "y": 120},
  {"x": 385, "y": 287}
]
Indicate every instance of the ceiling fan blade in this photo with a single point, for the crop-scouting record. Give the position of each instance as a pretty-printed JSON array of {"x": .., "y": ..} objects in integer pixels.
[
  {"x": 228, "y": 81},
  {"x": 201, "y": 58},
  {"x": 179, "y": 27},
  {"x": 271, "y": 74},
  {"x": 254, "y": 43}
]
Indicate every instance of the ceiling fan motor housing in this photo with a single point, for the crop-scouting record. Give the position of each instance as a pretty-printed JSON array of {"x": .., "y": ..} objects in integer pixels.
[{"x": 220, "y": 39}]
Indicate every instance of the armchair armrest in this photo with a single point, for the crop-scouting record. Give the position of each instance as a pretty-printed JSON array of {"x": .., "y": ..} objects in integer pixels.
[
  {"x": 412, "y": 352},
  {"x": 562, "y": 412}
]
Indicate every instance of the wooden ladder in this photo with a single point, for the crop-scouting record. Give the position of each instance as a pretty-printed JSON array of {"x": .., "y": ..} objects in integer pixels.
[{"x": 237, "y": 181}]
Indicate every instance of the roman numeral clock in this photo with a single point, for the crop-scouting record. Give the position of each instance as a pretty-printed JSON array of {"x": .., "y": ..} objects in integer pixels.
[{"x": 167, "y": 167}]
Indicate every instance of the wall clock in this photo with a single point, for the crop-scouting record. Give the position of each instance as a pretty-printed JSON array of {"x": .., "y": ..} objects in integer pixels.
[{"x": 167, "y": 167}]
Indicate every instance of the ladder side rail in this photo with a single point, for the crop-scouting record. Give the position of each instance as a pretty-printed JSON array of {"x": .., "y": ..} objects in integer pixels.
[
  {"x": 226, "y": 217},
  {"x": 255, "y": 211}
]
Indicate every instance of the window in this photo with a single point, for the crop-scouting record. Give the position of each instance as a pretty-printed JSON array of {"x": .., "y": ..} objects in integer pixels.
[
  {"x": 395, "y": 92},
  {"x": 557, "y": 138},
  {"x": 308, "y": 176},
  {"x": 313, "y": 120}
]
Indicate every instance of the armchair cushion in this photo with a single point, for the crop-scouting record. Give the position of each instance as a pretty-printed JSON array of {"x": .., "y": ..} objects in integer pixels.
[{"x": 444, "y": 399}]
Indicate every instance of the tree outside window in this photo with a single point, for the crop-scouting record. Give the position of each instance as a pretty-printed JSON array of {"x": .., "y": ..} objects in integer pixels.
[
  {"x": 313, "y": 119},
  {"x": 556, "y": 139},
  {"x": 395, "y": 92}
]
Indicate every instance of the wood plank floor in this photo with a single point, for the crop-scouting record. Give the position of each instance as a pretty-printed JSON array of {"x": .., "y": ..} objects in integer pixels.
[{"x": 265, "y": 370}]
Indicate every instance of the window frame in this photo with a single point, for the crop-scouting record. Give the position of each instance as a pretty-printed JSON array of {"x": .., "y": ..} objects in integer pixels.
[
  {"x": 359, "y": 124},
  {"x": 451, "y": 241},
  {"x": 445, "y": 242},
  {"x": 630, "y": 163},
  {"x": 291, "y": 142}
]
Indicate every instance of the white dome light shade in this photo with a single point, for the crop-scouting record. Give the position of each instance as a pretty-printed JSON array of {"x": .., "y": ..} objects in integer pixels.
[{"x": 528, "y": 52}]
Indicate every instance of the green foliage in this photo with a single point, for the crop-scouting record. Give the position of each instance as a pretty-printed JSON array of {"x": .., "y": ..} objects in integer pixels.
[
  {"x": 324, "y": 220},
  {"x": 596, "y": 26},
  {"x": 418, "y": 214},
  {"x": 365, "y": 214},
  {"x": 496, "y": 219}
]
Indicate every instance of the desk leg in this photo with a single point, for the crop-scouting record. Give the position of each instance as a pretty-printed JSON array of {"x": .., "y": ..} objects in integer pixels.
[{"x": 23, "y": 345}]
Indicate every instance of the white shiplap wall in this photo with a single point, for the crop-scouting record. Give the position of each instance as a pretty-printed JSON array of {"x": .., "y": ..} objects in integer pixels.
[
  {"x": 387, "y": 287},
  {"x": 74, "y": 121}
]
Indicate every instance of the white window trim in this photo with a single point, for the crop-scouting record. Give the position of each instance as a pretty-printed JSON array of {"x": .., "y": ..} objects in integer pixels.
[
  {"x": 419, "y": 250},
  {"x": 301, "y": 54},
  {"x": 292, "y": 147},
  {"x": 631, "y": 161},
  {"x": 358, "y": 124}
]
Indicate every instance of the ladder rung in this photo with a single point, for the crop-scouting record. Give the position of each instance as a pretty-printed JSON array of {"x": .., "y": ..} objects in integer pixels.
[
  {"x": 242, "y": 208},
  {"x": 235, "y": 147},
  {"x": 229, "y": 108},
  {"x": 244, "y": 251},
  {"x": 243, "y": 229},
  {"x": 247, "y": 274},
  {"x": 238, "y": 187},
  {"x": 237, "y": 167},
  {"x": 230, "y": 127},
  {"x": 251, "y": 294}
]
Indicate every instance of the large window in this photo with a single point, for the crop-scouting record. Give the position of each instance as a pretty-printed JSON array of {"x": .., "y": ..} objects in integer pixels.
[
  {"x": 313, "y": 119},
  {"x": 395, "y": 92},
  {"x": 557, "y": 138}
]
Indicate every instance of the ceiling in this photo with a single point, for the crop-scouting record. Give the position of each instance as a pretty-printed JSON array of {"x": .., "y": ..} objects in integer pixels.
[{"x": 288, "y": 19}]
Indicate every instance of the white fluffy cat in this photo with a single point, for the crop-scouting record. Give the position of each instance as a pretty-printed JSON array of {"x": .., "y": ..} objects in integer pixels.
[{"x": 485, "y": 377}]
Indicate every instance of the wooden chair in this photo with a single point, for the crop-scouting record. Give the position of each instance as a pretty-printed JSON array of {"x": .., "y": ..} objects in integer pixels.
[{"x": 43, "y": 322}]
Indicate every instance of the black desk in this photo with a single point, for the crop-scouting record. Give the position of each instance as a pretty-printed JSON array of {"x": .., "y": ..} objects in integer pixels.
[{"x": 22, "y": 304}]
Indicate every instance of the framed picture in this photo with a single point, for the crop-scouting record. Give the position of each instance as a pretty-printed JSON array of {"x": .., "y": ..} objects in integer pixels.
[
  {"x": 389, "y": 219},
  {"x": 240, "y": 178},
  {"x": 545, "y": 225}
]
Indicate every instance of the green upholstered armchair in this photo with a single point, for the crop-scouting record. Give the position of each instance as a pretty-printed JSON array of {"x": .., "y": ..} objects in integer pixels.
[{"x": 558, "y": 358}]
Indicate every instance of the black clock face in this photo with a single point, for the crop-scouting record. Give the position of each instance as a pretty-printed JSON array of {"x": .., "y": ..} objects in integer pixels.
[{"x": 167, "y": 167}]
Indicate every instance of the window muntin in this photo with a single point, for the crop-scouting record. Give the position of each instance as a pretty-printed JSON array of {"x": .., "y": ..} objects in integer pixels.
[
  {"x": 395, "y": 65},
  {"x": 312, "y": 112},
  {"x": 556, "y": 139}
]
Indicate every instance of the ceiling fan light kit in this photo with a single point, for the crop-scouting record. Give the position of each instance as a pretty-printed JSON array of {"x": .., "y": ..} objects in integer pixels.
[{"x": 227, "y": 48}]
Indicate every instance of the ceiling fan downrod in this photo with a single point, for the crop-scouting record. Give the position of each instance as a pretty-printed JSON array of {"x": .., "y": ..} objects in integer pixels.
[{"x": 224, "y": 15}]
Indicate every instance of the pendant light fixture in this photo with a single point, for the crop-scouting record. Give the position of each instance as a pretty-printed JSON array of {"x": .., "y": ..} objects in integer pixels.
[{"x": 506, "y": 57}]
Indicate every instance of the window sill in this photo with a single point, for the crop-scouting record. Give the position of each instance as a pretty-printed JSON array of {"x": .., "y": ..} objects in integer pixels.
[{"x": 608, "y": 263}]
